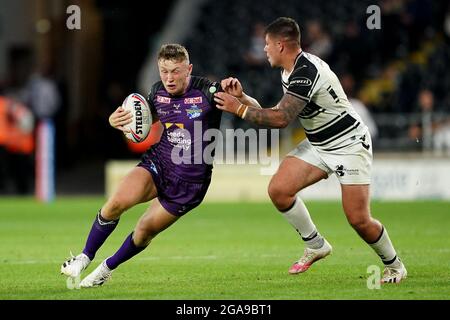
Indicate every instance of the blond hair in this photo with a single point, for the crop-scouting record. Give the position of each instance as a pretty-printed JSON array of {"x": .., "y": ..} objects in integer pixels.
[{"x": 173, "y": 51}]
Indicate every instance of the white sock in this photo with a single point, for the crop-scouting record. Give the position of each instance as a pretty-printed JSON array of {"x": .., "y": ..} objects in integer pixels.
[
  {"x": 385, "y": 250},
  {"x": 298, "y": 216},
  {"x": 315, "y": 241}
]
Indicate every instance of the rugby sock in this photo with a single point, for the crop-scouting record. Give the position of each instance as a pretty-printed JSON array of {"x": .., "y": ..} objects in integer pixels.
[
  {"x": 385, "y": 250},
  {"x": 100, "y": 231},
  {"x": 315, "y": 241},
  {"x": 298, "y": 216},
  {"x": 125, "y": 252}
]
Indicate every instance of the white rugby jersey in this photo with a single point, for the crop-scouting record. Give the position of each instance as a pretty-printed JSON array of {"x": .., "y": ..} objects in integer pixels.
[{"x": 329, "y": 120}]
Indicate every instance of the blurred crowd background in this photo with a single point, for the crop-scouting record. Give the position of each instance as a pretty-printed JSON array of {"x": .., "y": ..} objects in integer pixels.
[{"x": 398, "y": 77}]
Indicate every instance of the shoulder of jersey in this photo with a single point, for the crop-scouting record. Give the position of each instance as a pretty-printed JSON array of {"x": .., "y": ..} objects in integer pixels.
[
  {"x": 203, "y": 83},
  {"x": 155, "y": 88},
  {"x": 304, "y": 64}
]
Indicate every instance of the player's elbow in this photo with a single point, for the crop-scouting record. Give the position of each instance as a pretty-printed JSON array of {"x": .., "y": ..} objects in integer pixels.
[{"x": 282, "y": 123}]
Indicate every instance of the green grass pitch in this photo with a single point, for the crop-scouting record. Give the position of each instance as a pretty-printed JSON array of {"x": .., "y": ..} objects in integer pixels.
[{"x": 222, "y": 251}]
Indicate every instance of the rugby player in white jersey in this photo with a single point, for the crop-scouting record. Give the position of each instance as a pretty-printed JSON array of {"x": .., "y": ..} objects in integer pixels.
[{"x": 337, "y": 142}]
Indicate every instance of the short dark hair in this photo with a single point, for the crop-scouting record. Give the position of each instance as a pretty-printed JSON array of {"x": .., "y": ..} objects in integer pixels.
[
  {"x": 285, "y": 28},
  {"x": 173, "y": 51}
]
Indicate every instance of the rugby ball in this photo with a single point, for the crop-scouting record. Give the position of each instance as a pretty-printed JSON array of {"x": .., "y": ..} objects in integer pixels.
[{"x": 142, "y": 118}]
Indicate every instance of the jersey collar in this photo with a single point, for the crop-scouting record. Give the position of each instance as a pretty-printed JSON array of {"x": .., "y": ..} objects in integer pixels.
[
  {"x": 283, "y": 71},
  {"x": 297, "y": 57}
]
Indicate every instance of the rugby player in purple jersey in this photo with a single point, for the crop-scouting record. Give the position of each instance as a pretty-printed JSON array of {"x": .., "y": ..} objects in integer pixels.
[{"x": 173, "y": 172}]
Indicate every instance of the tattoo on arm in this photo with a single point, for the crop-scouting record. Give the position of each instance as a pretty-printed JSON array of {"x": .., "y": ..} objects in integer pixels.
[
  {"x": 291, "y": 106},
  {"x": 287, "y": 109}
]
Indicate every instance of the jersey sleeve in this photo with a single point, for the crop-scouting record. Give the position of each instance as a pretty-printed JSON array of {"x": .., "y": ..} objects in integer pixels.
[
  {"x": 151, "y": 104},
  {"x": 213, "y": 88},
  {"x": 303, "y": 82},
  {"x": 208, "y": 88}
]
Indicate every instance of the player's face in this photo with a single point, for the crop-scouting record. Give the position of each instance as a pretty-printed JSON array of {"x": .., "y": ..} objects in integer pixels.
[
  {"x": 272, "y": 49},
  {"x": 175, "y": 75}
]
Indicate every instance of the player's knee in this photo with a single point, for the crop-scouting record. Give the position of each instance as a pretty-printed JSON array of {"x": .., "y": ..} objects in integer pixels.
[
  {"x": 280, "y": 198},
  {"x": 359, "y": 222},
  {"x": 143, "y": 235},
  {"x": 141, "y": 238},
  {"x": 114, "y": 208},
  {"x": 274, "y": 191}
]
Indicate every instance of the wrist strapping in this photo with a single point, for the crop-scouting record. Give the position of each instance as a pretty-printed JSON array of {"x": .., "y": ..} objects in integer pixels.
[{"x": 242, "y": 111}]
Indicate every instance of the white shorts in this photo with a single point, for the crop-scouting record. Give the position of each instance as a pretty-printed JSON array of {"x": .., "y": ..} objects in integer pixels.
[{"x": 351, "y": 164}]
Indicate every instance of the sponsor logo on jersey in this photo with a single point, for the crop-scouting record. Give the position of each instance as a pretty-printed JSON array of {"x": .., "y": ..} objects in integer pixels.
[
  {"x": 162, "y": 112},
  {"x": 194, "y": 112},
  {"x": 177, "y": 108},
  {"x": 194, "y": 100},
  {"x": 301, "y": 81},
  {"x": 161, "y": 99},
  {"x": 179, "y": 138},
  {"x": 213, "y": 88}
]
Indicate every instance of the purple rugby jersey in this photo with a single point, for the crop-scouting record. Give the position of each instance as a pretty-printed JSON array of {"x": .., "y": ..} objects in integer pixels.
[{"x": 185, "y": 119}]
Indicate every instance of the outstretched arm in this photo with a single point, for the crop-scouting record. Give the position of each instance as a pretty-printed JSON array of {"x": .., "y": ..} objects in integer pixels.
[
  {"x": 276, "y": 117},
  {"x": 234, "y": 87},
  {"x": 249, "y": 101}
]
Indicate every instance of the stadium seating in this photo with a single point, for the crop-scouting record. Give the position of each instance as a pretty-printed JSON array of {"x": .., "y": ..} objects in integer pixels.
[{"x": 217, "y": 45}]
